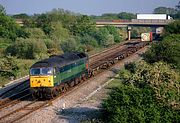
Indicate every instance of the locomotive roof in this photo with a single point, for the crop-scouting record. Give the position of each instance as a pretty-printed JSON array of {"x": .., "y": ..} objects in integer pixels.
[{"x": 60, "y": 60}]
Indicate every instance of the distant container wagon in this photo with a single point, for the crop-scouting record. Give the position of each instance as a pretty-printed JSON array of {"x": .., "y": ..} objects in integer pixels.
[{"x": 146, "y": 36}]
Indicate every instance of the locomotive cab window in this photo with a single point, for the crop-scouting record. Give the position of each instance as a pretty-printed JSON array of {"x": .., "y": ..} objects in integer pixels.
[{"x": 41, "y": 71}]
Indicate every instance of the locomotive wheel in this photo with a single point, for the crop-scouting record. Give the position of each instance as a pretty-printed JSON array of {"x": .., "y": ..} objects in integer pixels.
[
  {"x": 66, "y": 87},
  {"x": 76, "y": 81},
  {"x": 81, "y": 79},
  {"x": 72, "y": 83},
  {"x": 54, "y": 93},
  {"x": 63, "y": 90},
  {"x": 84, "y": 77},
  {"x": 34, "y": 95},
  {"x": 60, "y": 89}
]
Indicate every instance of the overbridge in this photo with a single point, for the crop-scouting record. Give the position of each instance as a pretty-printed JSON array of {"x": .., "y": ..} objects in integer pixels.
[
  {"x": 158, "y": 24},
  {"x": 134, "y": 22}
]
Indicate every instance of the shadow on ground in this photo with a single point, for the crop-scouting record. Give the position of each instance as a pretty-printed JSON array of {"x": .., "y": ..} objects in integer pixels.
[{"x": 79, "y": 114}]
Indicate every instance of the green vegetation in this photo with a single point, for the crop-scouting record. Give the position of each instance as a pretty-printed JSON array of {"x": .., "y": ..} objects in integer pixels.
[
  {"x": 173, "y": 28},
  {"x": 114, "y": 16},
  {"x": 51, "y": 33},
  {"x": 148, "y": 91},
  {"x": 173, "y": 12},
  {"x": 27, "y": 48},
  {"x": 9, "y": 29},
  {"x": 169, "y": 49},
  {"x": 164, "y": 10},
  {"x": 145, "y": 93}
]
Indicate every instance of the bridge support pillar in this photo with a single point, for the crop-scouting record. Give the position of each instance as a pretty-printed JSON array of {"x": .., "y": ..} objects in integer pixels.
[{"x": 129, "y": 32}]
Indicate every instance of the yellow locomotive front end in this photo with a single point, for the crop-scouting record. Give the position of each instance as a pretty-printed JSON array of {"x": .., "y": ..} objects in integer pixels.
[{"x": 41, "y": 77}]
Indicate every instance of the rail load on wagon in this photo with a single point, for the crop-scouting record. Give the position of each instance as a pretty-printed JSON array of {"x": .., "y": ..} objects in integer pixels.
[{"x": 147, "y": 36}]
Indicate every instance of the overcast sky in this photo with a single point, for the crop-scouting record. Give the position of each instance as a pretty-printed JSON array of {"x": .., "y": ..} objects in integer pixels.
[{"x": 89, "y": 7}]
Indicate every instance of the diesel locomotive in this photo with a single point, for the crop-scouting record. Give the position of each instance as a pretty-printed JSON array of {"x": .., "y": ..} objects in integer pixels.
[{"x": 55, "y": 75}]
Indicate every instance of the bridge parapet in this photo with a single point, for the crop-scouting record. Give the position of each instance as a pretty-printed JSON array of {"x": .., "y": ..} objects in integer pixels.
[
  {"x": 135, "y": 22},
  {"x": 151, "y": 21}
]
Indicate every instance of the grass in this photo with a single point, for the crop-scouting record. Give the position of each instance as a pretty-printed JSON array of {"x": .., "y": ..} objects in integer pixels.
[
  {"x": 113, "y": 84},
  {"x": 3, "y": 81}
]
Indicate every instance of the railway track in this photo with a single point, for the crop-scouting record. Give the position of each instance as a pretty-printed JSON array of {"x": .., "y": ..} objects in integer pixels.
[
  {"x": 34, "y": 105},
  {"x": 14, "y": 99},
  {"x": 109, "y": 58},
  {"x": 18, "y": 87}
]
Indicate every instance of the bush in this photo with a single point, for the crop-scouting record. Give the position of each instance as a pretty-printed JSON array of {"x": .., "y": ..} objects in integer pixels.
[
  {"x": 148, "y": 93},
  {"x": 110, "y": 40},
  {"x": 89, "y": 40},
  {"x": 59, "y": 32},
  {"x": 167, "y": 50},
  {"x": 9, "y": 67},
  {"x": 69, "y": 45},
  {"x": 101, "y": 36},
  {"x": 115, "y": 32},
  {"x": 36, "y": 33},
  {"x": 173, "y": 28},
  {"x": 27, "y": 48},
  {"x": 129, "y": 104},
  {"x": 131, "y": 67},
  {"x": 161, "y": 78},
  {"x": 9, "y": 28}
]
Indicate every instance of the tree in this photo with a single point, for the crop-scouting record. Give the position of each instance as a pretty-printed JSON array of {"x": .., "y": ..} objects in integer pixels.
[
  {"x": 83, "y": 25},
  {"x": 125, "y": 15},
  {"x": 43, "y": 21},
  {"x": 69, "y": 45},
  {"x": 167, "y": 50},
  {"x": 59, "y": 32},
  {"x": 89, "y": 40},
  {"x": 9, "y": 29},
  {"x": 149, "y": 93},
  {"x": 129, "y": 104},
  {"x": 109, "y": 16},
  {"x": 67, "y": 18},
  {"x": 35, "y": 33},
  {"x": 115, "y": 32},
  {"x": 173, "y": 28},
  {"x": 53, "y": 47},
  {"x": 101, "y": 36},
  {"x": 28, "y": 48},
  {"x": 2, "y": 10},
  {"x": 178, "y": 6},
  {"x": 164, "y": 10},
  {"x": 21, "y": 16},
  {"x": 110, "y": 40},
  {"x": 8, "y": 67}
]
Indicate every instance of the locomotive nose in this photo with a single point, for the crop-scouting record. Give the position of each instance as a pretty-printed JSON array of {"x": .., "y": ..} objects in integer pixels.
[{"x": 39, "y": 81}]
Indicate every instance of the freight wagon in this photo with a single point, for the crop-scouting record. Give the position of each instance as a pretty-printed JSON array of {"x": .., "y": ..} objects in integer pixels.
[{"x": 147, "y": 36}]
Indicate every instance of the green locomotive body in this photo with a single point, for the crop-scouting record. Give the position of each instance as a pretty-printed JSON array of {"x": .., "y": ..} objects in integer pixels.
[{"x": 53, "y": 75}]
